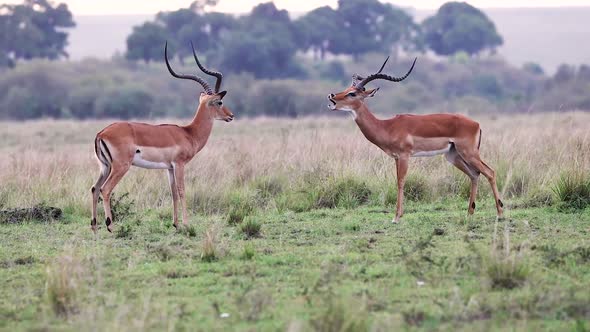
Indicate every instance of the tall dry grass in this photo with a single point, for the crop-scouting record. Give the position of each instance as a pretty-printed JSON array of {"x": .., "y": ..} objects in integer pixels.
[{"x": 279, "y": 163}]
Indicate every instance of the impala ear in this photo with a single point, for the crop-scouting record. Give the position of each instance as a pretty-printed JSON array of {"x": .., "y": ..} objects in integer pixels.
[
  {"x": 222, "y": 94},
  {"x": 371, "y": 93}
]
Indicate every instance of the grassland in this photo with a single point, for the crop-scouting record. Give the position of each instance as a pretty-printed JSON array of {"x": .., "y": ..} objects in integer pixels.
[{"x": 290, "y": 231}]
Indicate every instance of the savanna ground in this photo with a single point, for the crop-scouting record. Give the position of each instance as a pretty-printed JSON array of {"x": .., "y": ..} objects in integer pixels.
[{"x": 290, "y": 230}]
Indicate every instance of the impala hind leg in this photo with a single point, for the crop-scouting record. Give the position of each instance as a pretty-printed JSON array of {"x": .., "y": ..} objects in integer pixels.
[
  {"x": 174, "y": 190},
  {"x": 95, "y": 192},
  {"x": 401, "y": 164},
  {"x": 474, "y": 160},
  {"x": 454, "y": 158},
  {"x": 117, "y": 173}
]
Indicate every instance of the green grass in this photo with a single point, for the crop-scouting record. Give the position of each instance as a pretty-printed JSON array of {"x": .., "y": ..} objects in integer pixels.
[{"x": 326, "y": 270}]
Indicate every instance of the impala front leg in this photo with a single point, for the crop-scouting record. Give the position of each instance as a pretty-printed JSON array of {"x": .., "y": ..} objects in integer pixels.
[
  {"x": 401, "y": 164},
  {"x": 174, "y": 190},
  {"x": 179, "y": 177}
]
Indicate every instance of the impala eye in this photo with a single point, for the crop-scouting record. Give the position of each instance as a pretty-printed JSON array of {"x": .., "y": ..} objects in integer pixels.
[
  {"x": 351, "y": 94},
  {"x": 219, "y": 103}
]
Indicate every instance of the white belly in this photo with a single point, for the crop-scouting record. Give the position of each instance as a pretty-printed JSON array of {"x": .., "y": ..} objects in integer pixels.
[
  {"x": 431, "y": 153},
  {"x": 140, "y": 162}
]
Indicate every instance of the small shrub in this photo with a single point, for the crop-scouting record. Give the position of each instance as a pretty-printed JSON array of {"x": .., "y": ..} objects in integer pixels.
[
  {"x": 251, "y": 228},
  {"x": 124, "y": 231},
  {"x": 572, "y": 191},
  {"x": 209, "y": 247},
  {"x": 64, "y": 281},
  {"x": 248, "y": 252},
  {"x": 121, "y": 206}
]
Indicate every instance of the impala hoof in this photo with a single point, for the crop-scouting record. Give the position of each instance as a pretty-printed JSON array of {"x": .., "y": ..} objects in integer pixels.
[{"x": 175, "y": 226}]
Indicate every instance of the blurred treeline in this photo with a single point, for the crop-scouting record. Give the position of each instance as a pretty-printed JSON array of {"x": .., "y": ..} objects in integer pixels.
[{"x": 274, "y": 64}]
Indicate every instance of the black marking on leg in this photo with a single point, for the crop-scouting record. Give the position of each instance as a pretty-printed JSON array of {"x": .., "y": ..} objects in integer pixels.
[
  {"x": 93, "y": 222},
  {"x": 93, "y": 190},
  {"x": 137, "y": 151},
  {"x": 108, "y": 221},
  {"x": 175, "y": 226},
  {"x": 501, "y": 204},
  {"x": 473, "y": 205}
]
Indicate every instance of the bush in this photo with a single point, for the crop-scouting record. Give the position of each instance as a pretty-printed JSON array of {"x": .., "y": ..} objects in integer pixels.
[{"x": 124, "y": 102}]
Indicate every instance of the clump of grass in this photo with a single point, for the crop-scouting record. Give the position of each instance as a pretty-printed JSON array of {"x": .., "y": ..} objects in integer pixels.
[
  {"x": 209, "y": 246},
  {"x": 336, "y": 314},
  {"x": 188, "y": 230},
  {"x": 539, "y": 198},
  {"x": 347, "y": 192},
  {"x": 268, "y": 187},
  {"x": 416, "y": 187},
  {"x": 124, "y": 231},
  {"x": 248, "y": 252},
  {"x": 503, "y": 266},
  {"x": 353, "y": 227},
  {"x": 572, "y": 191},
  {"x": 64, "y": 283},
  {"x": 414, "y": 317},
  {"x": 251, "y": 228},
  {"x": 241, "y": 206},
  {"x": 163, "y": 251}
]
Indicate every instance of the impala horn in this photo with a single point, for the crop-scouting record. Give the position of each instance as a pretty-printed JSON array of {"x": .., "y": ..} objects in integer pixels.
[
  {"x": 197, "y": 79},
  {"x": 379, "y": 76},
  {"x": 357, "y": 78},
  {"x": 216, "y": 74}
]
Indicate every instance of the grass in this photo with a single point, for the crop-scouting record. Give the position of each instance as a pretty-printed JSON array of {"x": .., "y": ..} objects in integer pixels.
[{"x": 260, "y": 253}]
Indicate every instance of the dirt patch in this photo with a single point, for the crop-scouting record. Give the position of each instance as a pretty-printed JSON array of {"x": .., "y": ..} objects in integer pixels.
[{"x": 39, "y": 213}]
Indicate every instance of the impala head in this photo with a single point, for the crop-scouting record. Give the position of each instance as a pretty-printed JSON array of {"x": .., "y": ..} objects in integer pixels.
[
  {"x": 211, "y": 100},
  {"x": 353, "y": 97}
]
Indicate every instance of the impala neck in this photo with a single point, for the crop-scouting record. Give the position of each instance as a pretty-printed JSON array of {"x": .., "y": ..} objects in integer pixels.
[
  {"x": 201, "y": 126},
  {"x": 369, "y": 125}
]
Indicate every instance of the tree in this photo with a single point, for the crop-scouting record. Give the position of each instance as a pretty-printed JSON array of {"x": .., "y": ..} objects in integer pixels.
[
  {"x": 357, "y": 27},
  {"x": 458, "y": 26},
  {"x": 145, "y": 43},
  {"x": 318, "y": 30},
  {"x": 180, "y": 28},
  {"x": 33, "y": 29},
  {"x": 270, "y": 33}
]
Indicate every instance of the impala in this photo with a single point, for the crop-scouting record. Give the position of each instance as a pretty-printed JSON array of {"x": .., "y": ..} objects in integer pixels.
[
  {"x": 405, "y": 136},
  {"x": 167, "y": 146}
]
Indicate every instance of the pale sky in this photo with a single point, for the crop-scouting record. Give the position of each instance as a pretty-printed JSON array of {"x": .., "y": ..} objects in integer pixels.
[{"x": 112, "y": 7}]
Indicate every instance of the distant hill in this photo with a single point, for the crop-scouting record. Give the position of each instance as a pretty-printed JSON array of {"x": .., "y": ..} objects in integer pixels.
[{"x": 548, "y": 36}]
